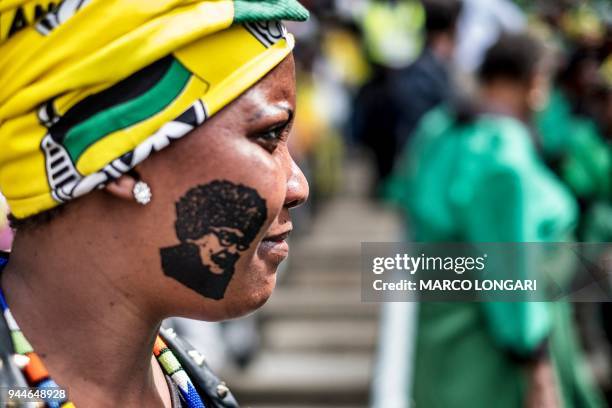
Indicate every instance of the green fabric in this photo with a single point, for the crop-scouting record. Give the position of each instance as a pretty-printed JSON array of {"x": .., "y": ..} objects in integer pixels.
[
  {"x": 483, "y": 182},
  {"x": 598, "y": 222},
  {"x": 587, "y": 166},
  {"x": 554, "y": 125},
  {"x": 583, "y": 158},
  {"x": 129, "y": 113},
  {"x": 246, "y": 11},
  {"x": 575, "y": 143}
]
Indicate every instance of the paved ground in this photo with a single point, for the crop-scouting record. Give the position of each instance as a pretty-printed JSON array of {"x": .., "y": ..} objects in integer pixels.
[{"x": 318, "y": 339}]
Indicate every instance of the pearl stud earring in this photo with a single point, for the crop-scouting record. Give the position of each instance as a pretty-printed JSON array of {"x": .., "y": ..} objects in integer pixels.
[{"x": 142, "y": 193}]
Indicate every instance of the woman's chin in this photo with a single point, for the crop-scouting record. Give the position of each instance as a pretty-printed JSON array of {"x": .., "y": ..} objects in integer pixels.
[
  {"x": 249, "y": 290},
  {"x": 258, "y": 297},
  {"x": 251, "y": 298}
]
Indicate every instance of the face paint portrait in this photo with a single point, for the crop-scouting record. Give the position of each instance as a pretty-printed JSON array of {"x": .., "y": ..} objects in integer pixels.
[{"x": 215, "y": 223}]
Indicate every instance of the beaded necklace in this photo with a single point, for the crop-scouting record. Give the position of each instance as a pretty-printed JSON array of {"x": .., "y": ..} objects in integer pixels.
[{"x": 37, "y": 375}]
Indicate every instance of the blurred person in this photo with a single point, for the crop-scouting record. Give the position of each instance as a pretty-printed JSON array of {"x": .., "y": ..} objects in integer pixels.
[
  {"x": 473, "y": 174},
  {"x": 576, "y": 145},
  {"x": 427, "y": 83},
  {"x": 597, "y": 219},
  {"x": 568, "y": 114},
  {"x": 575, "y": 137},
  {"x": 389, "y": 106},
  {"x": 582, "y": 24},
  {"x": 373, "y": 123},
  {"x": 340, "y": 69},
  {"x": 585, "y": 166},
  {"x": 158, "y": 188},
  {"x": 605, "y": 113},
  {"x": 392, "y": 31}
]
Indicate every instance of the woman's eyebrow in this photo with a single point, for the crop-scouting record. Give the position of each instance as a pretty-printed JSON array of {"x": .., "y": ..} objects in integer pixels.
[
  {"x": 289, "y": 112},
  {"x": 272, "y": 110}
]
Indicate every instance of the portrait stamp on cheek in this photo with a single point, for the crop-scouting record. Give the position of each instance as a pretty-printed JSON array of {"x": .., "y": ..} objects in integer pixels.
[{"x": 215, "y": 224}]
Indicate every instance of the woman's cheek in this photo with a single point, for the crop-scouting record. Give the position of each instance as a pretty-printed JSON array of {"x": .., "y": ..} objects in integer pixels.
[
  {"x": 264, "y": 172},
  {"x": 272, "y": 191}
]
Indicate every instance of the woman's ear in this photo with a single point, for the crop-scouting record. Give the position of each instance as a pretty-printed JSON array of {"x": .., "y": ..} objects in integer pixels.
[{"x": 123, "y": 187}]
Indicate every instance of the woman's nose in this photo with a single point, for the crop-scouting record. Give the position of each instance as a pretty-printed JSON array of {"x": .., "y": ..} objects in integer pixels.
[{"x": 297, "y": 187}]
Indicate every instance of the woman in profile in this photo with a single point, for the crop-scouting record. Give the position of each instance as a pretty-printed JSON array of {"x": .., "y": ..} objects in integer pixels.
[
  {"x": 144, "y": 159},
  {"x": 473, "y": 174}
]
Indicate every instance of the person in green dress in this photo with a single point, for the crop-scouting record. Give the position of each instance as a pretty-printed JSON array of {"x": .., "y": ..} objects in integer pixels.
[
  {"x": 473, "y": 173},
  {"x": 573, "y": 134},
  {"x": 576, "y": 143}
]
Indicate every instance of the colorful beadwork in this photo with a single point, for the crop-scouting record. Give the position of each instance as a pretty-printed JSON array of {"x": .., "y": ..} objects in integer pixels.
[
  {"x": 37, "y": 375},
  {"x": 173, "y": 369}
]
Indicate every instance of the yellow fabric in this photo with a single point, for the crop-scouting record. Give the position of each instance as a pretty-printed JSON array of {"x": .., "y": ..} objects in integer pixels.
[
  {"x": 606, "y": 71},
  {"x": 93, "y": 45}
]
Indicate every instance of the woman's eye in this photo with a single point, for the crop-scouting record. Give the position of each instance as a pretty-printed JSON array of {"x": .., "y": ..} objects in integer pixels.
[{"x": 270, "y": 139}]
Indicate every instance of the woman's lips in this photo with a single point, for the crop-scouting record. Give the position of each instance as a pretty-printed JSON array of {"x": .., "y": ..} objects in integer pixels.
[{"x": 275, "y": 247}]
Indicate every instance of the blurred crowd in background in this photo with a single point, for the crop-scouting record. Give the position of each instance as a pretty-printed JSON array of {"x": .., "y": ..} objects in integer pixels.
[
  {"x": 369, "y": 70},
  {"x": 436, "y": 93},
  {"x": 485, "y": 121}
]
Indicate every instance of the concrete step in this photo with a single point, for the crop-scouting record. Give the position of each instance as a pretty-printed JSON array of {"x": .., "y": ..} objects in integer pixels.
[
  {"x": 307, "y": 379},
  {"x": 325, "y": 336},
  {"x": 321, "y": 303},
  {"x": 330, "y": 244},
  {"x": 354, "y": 219},
  {"x": 324, "y": 260},
  {"x": 307, "y": 277},
  {"x": 358, "y": 174}
]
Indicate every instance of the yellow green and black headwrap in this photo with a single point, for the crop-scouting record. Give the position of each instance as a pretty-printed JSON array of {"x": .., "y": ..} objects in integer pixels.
[{"x": 90, "y": 88}]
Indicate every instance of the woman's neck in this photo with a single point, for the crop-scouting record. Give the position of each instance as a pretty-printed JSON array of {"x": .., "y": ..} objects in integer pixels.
[{"x": 91, "y": 333}]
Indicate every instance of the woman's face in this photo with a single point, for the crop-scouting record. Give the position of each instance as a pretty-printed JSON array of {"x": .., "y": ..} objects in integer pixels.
[{"x": 216, "y": 227}]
